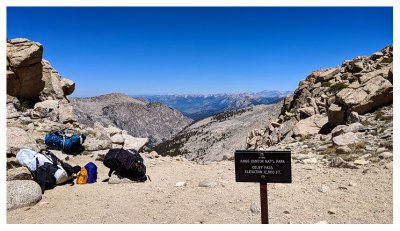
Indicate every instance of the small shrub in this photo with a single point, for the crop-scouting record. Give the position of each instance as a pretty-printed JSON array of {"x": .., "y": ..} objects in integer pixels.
[
  {"x": 366, "y": 123},
  {"x": 328, "y": 151},
  {"x": 25, "y": 122},
  {"x": 293, "y": 111},
  {"x": 337, "y": 87},
  {"x": 374, "y": 133},
  {"x": 24, "y": 106},
  {"x": 40, "y": 141},
  {"x": 86, "y": 153},
  {"x": 326, "y": 84},
  {"x": 358, "y": 147},
  {"x": 378, "y": 114},
  {"x": 388, "y": 146},
  {"x": 387, "y": 60},
  {"x": 348, "y": 158},
  {"x": 306, "y": 137}
]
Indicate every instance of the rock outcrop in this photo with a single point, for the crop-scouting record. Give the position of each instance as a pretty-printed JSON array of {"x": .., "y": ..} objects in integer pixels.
[
  {"x": 137, "y": 116},
  {"x": 335, "y": 96},
  {"x": 29, "y": 76},
  {"x": 24, "y": 68},
  {"x": 21, "y": 193}
]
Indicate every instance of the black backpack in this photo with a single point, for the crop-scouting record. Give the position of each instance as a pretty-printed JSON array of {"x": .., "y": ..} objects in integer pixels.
[
  {"x": 44, "y": 175},
  {"x": 127, "y": 163},
  {"x": 54, "y": 159}
]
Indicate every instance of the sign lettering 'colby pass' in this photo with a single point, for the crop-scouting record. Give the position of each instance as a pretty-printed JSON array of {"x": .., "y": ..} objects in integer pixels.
[{"x": 263, "y": 166}]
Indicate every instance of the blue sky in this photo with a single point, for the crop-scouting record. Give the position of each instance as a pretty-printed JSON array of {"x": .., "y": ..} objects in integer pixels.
[{"x": 156, "y": 50}]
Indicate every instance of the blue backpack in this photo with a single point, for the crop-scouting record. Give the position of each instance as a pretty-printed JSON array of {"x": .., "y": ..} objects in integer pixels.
[
  {"x": 92, "y": 172},
  {"x": 60, "y": 141}
]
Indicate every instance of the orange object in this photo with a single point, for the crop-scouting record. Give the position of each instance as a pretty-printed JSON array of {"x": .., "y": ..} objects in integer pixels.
[{"x": 82, "y": 177}]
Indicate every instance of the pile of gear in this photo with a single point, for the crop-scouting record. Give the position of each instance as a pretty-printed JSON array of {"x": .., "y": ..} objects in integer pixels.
[{"x": 48, "y": 170}]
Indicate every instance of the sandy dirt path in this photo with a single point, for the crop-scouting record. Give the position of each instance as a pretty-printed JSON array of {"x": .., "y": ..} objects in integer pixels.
[{"x": 368, "y": 198}]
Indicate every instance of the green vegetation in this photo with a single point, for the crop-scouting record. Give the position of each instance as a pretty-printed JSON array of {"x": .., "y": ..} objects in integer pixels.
[
  {"x": 378, "y": 114},
  {"x": 328, "y": 151},
  {"x": 358, "y": 147},
  {"x": 366, "y": 123},
  {"x": 337, "y": 87},
  {"x": 348, "y": 158},
  {"x": 40, "y": 141},
  {"x": 100, "y": 158},
  {"x": 294, "y": 111},
  {"x": 231, "y": 158},
  {"x": 374, "y": 133},
  {"x": 326, "y": 84},
  {"x": 86, "y": 153},
  {"x": 388, "y": 145},
  {"x": 228, "y": 114},
  {"x": 24, "y": 106},
  {"x": 306, "y": 137},
  {"x": 25, "y": 122},
  {"x": 387, "y": 60}
]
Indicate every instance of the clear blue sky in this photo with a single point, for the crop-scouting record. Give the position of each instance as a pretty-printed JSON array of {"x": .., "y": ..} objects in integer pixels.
[{"x": 170, "y": 50}]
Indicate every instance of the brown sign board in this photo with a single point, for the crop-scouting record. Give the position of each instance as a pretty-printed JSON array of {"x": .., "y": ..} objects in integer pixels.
[{"x": 263, "y": 166}]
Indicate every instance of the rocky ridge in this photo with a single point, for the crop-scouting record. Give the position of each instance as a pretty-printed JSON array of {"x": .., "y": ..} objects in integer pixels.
[
  {"x": 337, "y": 115},
  {"x": 218, "y": 136},
  {"x": 137, "y": 116}
]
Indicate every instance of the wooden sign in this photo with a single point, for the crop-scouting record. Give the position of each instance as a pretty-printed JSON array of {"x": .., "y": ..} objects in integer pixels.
[{"x": 263, "y": 166}]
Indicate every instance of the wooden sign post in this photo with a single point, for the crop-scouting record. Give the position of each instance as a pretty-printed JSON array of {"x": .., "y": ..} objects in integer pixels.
[{"x": 263, "y": 167}]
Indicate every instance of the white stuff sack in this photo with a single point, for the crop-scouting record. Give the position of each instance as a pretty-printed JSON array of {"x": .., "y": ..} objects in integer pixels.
[
  {"x": 61, "y": 175},
  {"x": 27, "y": 158}
]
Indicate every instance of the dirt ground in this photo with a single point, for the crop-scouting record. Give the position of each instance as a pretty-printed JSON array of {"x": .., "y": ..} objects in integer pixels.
[{"x": 352, "y": 197}]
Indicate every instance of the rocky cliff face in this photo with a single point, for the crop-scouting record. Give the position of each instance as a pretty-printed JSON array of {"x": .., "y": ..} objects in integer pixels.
[
  {"x": 218, "y": 136},
  {"x": 338, "y": 110},
  {"x": 30, "y": 77},
  {"x": 135, "y": 115}
]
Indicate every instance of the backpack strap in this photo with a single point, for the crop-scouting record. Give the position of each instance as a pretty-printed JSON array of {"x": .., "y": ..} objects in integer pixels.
[{"x": 110, "y": 172}]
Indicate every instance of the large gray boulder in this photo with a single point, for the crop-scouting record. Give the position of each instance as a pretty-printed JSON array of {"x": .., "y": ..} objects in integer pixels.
[
  {"x": 134, "y": 142},
  {"x": 42, "y": 109},
  {"x": 18, "y": 138},
  {"x": 345, "y": 139},
  {"x": 21, "y": 193},
  {"x": 24, "y": 69},
  {"x": 20, "y": 173},
  {"x": 66, "y": 114},
  {"x": 52, "y": 89},
  {"x": 95, "y": 144},
  {"x": 336, "y": 115},
  {"x": 312, "y": 125},
  {"x": 68, "y": 86},
  {"x": 100, "y": 141},
  {"x": 377, "y": 92},
  {"x": 341, "y": 129}
]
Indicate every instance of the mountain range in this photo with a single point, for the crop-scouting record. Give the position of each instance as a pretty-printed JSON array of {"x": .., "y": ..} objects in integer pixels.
[{"x": 198, "y": 106}]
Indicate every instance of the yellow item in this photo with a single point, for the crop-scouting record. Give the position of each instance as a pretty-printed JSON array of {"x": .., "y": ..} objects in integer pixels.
[{"x": 82, "y": 177}]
